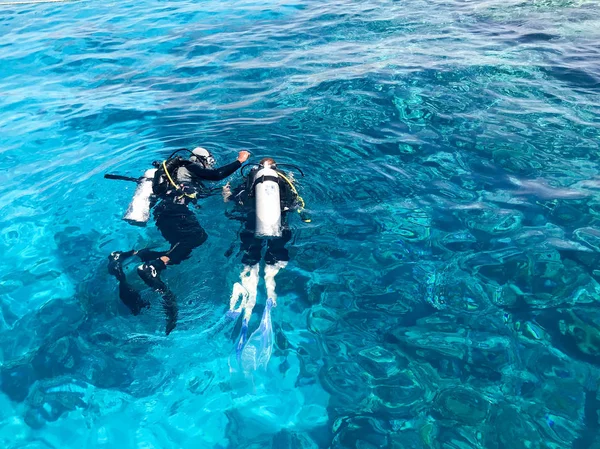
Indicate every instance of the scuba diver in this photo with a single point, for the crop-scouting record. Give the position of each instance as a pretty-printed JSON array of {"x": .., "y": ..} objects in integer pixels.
[
  {"x": 174, "y": 184},
  {"x": 262, "y": 204}
]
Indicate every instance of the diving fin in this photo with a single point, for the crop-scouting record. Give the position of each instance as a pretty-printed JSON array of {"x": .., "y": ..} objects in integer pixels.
[
  {"x": 257, "y": 352},
  {"x": 235, "y": 357}
]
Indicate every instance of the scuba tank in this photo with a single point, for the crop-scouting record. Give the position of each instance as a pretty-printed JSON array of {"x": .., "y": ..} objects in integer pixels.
[
  {"x": 138, "y": 211},
  {"x": 268, "y": 203}
]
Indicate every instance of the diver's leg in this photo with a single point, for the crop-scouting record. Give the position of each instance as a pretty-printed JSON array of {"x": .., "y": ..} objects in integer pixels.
[
  {"x": 128, "y": 295},
  {"x": 115, "y": 262},
  {"x": 167, "y": 223},
  {"x": 276, "y": 258},
  {"x": 180, "y": 227},
  {"x": 116, "y": 259},
  {"x": 150, "y": 274},
  {"x": 249, "y": 278},
  {"x": 147, "y": 254},
  {"x": 239, "y": 291},
  {"x": 270, "y": 273},
  {"x": 251, "y": 248}
]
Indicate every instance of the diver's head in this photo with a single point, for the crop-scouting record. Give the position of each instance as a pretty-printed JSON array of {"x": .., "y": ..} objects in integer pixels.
[
  {"x": 268, "y": 162},
  {"x": 203, "y": 156}
]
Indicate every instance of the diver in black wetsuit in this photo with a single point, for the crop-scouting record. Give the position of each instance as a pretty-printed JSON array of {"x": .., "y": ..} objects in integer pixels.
[
  {"x": 177, "y": 183},
  {"x": 262, "y": 205}
]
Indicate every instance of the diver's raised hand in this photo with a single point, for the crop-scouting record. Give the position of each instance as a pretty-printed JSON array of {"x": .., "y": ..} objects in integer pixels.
[{"x": 243, "y": 156}]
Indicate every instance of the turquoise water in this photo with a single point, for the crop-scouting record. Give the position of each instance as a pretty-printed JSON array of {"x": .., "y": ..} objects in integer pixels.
[{"x": 446, "y": 292}]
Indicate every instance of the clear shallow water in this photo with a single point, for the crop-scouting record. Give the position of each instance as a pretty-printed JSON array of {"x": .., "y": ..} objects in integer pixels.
[{"x": 445, "y": 294}]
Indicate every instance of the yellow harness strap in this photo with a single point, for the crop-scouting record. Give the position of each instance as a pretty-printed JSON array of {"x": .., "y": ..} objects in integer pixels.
[
  {"x": 164, "y": 164},
  {"x": 300, "y": 199}
]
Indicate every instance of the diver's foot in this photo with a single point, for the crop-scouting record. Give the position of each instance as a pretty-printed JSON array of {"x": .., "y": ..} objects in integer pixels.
[
  {"x": 131, "y": 298},
  {"x": 150, "y": 274},
  {"x": 115, "y": 263}
]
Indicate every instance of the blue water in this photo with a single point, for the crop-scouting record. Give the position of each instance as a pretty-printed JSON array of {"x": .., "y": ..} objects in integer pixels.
[{"x": 446, "y": 293}]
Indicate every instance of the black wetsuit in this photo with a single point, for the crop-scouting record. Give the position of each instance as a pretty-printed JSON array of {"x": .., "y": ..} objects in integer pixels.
[
  {"x": 175, "y": 221},
  {"x": 178, "y": 225},
  {"x": 243, "y": 196}
]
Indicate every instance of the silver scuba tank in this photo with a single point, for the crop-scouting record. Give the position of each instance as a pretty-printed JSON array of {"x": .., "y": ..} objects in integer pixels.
[
  {"x": 268, "y": 204},
  {"x": 138, "y": 211}
]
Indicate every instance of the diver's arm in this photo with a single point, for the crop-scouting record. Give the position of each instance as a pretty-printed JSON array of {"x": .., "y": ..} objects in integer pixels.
[
  {"x": 219, "y": 173},
  {"x": 213, "y": 175}
]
